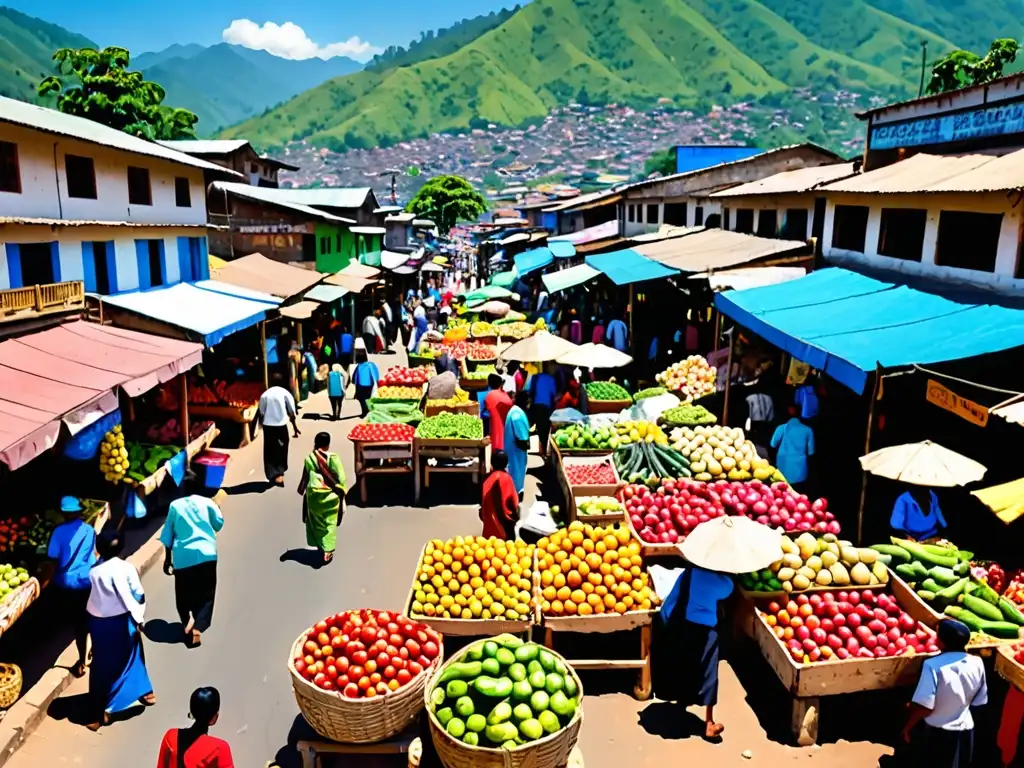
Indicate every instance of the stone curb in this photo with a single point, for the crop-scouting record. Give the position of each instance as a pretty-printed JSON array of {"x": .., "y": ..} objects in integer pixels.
[{"x": 29, "y": 712}]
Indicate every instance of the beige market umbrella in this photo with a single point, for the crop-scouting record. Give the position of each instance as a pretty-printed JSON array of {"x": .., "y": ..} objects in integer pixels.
[
  {"x": 591, "y": 355},
  {"x": 924, "y": 463},
  {"x": 539, "y": 348},
  {"x": 732, "y": 545}
]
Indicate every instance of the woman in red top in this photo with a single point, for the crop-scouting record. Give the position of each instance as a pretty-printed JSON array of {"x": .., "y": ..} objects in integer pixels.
[{"x": 193, "y": 747}]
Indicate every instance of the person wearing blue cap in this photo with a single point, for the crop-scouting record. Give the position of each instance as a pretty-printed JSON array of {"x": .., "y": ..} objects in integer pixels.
[{"x": 73, "y": 548}]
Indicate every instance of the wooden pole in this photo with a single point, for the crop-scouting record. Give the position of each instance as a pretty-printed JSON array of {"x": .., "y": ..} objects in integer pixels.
[
  {"x": 298, "y": 332},
  {"x": 716, "y": 321},
  {"x": 185, "y": 428},
  {"x": 867, "y": 450},
  {"x": 728, "y": 378},
  {"x": 263, "y": 354},
  {"x": 632, "y": 338}
]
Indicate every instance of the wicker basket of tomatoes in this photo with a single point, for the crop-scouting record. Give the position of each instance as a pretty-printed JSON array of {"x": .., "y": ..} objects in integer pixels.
[
  {"x": 359, "y": 676},
  {"x": 368, "y": 432}
]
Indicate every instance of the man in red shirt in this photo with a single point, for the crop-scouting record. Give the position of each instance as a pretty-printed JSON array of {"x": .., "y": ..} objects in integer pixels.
[
  {"x": 499, "y": 505},
  {"x": 497, "y": 404}
]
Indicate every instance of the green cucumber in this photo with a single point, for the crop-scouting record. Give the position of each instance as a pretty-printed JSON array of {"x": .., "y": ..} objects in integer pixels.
[
  {"x": 898, "y": 554},
  {"x": 1010, "y": 611},
  {"x": 981, "y": 608},
  {"x": 951, "y": 593},
  {"x": 1004, "y": 630},
  {"x": 985, "y": 592},
  {"x": 919, "y": 552},
  {"x": 926, "y": 595},
  {"x": 931, "y": 585},
  {"x": 964, "y": 616},
  {"x": 944, "y": 576},
  {"x": 906, "y": 572}
]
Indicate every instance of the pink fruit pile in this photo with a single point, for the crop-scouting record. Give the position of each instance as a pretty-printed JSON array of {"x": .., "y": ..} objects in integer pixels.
[
  {"x": 591, "y": 474},
  {"x": 776, "y": 505},
  {"x": 406, "y": 377},
  {"x": 668, "y": 513},
  {"x": 846, "y": 625}
]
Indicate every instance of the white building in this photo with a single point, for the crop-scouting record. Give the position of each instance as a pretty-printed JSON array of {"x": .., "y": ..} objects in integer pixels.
[{"x": 83, "y": 202}]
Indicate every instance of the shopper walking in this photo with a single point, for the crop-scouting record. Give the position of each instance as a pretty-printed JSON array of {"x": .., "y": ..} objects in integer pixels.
[
  {"x": 336, "y": 390},
  {"x": 543, "y": 393},
  {"x": 276, "y": 409},
  {"x": 118, "y": 679},
  {"x": 365, "y": 377},
  {"x": 373, "y": 337},
  {"x": 73, "y": 547},
  {"x": 194, "y": 747},
  {"x": 517, "y": 441},
  {"x": 499, "y": 505},
  {"x": 189, "y": 537},
  {"x": 323, "y": 489},
  {"x": 497, "y": 404}
]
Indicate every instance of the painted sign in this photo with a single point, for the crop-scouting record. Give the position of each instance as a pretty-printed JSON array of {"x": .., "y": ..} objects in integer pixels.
[
  {"x": 975, "y": 124},
  {"x": 952, "y": 402},
  {"x": 275, "y": 229}
]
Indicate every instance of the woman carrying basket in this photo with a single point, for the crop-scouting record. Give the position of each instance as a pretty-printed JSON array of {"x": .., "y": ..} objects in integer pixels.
[{"x": 323, "y": 488}]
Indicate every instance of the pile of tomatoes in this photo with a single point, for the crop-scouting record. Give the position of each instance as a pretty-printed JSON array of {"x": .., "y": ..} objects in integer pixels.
[
  {"x": 366, "y": 653},
  {"x": 402, "y": 376},
  {"x": 382, "y": 433}
]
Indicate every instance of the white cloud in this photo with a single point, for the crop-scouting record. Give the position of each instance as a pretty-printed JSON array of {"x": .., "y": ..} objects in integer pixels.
[{"x": 290, "y": 41}]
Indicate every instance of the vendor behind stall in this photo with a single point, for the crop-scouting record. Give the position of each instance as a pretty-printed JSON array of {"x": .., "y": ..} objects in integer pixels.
[{"x": 916, "y": 514}]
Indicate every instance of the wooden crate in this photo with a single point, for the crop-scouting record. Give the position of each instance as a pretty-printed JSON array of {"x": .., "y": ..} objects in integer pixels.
[
  {"x": 555, "y": 448},
  {"x": 1009, "y": 669},
  {"x": 424, "y": 449},
  {"x": 648, "y": 549},
  {"x": 472, "y": 408},
  {"x": 609, "y": 489},
  {"x": 384, "y": 452},
  {"x": 311, "y": 751}
]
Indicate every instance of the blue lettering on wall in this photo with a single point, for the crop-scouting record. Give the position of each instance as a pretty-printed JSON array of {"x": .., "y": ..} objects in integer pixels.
[{"x": 976, "y": 124}]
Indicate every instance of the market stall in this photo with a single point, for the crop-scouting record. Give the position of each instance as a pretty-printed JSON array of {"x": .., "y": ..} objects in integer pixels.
[
  {"x": 455, "y": 442},
  {"x": 381, "y": 449}
]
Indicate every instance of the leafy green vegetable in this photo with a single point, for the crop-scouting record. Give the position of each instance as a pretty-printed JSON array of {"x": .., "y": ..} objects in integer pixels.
[
  {"x": 688, "y": 415},
  {"x": 649, "y": 392},
  {"x": 606, "y": 390},
  {"x": 451, "y": 426}
]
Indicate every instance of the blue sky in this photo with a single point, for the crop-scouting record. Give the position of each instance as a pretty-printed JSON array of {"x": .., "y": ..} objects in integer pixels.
[{"x": 143, "y": 25}]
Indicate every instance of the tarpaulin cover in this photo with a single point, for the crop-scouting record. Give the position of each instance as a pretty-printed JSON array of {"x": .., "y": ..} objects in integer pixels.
[
  {"x": 326, "y": 293},
  {"x": 845, "y": 323},
  {"x": 71, "y": 374},
  {"x": 504, "y": 279},
  {"x": 561, "y": 249},
  {"x": 212, "y": 314},
  {"x": 532, "y": 260},
  {"x": 259, "y": 273},
  {"x": 627, "y": 266},
  {"x": 567, "y": 278}
]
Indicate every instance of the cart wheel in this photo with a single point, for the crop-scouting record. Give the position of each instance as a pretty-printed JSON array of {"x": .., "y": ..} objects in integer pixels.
[{"x": 642, "y": 692}]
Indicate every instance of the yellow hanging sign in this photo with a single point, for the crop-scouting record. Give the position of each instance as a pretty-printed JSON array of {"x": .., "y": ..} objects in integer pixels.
[{"x": 948, "y": 400}]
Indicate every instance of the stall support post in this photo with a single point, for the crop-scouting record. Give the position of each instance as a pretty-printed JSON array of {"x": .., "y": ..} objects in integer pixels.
[
  {"x": 263, "y": 354},
  {"x": 185, "y": 428},
  {"x": 632, "y": 338},
  {"x": 298, "y": 332},
  {"x": 728, "y": 378},
  {"x": 867, "y": 450},
  {"x": 716, "y": 326}
]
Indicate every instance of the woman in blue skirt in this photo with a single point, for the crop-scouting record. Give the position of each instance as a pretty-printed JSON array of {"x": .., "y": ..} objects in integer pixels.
[
  {"x": 118, "y": 679},
  {"x": 685, "y": 651}
]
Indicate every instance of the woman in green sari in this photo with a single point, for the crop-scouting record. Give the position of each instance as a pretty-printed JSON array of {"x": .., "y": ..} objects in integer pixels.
[{"x": 323, "y": 488}]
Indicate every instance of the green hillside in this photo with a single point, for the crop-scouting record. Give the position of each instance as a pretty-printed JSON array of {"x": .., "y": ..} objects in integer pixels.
[
  {"x": 26, "y": 45},
  {"x": 691, "y": 52}
]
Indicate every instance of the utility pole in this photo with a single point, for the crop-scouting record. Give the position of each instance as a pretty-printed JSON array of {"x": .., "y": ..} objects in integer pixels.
[{"x": 924, "y": 64}]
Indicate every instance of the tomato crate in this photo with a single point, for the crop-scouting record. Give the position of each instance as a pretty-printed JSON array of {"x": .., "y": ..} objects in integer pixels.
[{"x": 597, "y": 489}]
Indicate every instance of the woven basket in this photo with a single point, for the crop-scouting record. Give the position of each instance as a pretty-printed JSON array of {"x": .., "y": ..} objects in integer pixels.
[
  {"x": 10, "y": 684},
  {"x": 358, "y": 721},
  {"x": 548, "y": 752},
  {"x": 16, "y": 602}
]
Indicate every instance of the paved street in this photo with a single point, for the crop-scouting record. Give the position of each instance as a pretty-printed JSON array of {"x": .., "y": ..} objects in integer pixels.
[{"x": 267, "y": 594}]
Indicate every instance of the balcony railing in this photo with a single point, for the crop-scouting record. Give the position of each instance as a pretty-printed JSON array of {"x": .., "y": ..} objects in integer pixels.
[{"x": 42, "y": 298}]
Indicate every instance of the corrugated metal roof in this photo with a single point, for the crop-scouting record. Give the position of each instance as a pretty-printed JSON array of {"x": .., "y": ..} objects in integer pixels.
[
  {"x": 715, "y": 249},
  {"x": 205, "y": 146},
  {"x": 270, "y": 196},
  {"x": 753, "y": 277},
  {"x": 340, "y": 197},
  {"x": 581, "y": 202},
  {"x": 939, "y": 97},
  {"x": 401, "y": 218},
  {"x": 259, "y": 273},
  {"x": 91, "y": 223},
  {"x": 590, "y": 234},
  {"x": 940, "y": 173},
  {"x": 52, "y": 121},
  {"x": 791, "y": 182}
]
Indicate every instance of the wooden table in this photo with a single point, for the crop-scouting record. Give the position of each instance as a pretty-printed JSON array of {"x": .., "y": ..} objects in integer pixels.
[
  {"x": 201, "y": 443},
  {"x": 395, "y": 458},
  {"x": 243, "y": 416},
  {"x": 406, "y": 742},
  {"x": 449, "y": 450}
]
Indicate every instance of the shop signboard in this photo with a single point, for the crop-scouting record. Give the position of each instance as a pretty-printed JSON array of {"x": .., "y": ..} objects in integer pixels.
[
  {"x": 948, "y": 400},
  {"x": 974, "y": 124}
]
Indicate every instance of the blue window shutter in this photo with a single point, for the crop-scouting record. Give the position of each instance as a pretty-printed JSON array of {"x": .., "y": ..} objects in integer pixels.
[
  {"x": 204, "y": 259},
  {"x": 142, "y": 257},
  {"x": 14, "y": 265},
  {"x": 89, "y": 267},
  {"x": 55, "y": 260},
  {"x": 163, "y": 261},
  {"x": 184, "y": 262},
  {"x": 111, "y": 266}
]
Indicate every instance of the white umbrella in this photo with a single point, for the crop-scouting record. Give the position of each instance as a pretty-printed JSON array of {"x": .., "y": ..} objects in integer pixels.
[
  {"x": 732, "y": 545},
  {"x": 591, "y": 355},
  {"x": 924, "y": 463},
  {"x": 539, "y": 348}
]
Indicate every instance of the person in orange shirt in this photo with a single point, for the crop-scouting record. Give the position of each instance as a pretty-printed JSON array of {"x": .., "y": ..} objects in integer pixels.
[
  {"x": 499, "y": 507},
  {"x": 497, "y": 404}
]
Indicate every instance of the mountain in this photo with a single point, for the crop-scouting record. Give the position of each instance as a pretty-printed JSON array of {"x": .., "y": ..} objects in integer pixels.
[
  {"x": 225, "y": 84},
  {"x": 692, "y": 53},
  {"x": 26, "y": 45}
]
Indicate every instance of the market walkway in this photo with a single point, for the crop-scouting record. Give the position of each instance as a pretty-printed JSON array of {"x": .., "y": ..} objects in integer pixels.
[{"x": 267, "y": 595}]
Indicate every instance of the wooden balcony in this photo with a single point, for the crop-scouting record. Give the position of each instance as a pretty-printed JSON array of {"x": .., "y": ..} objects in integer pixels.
[{"x": 21, "y": 303}]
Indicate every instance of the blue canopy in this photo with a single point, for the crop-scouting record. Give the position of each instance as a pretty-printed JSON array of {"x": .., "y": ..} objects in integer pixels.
[
  {"x": 846, "y": 324},
  {"x": 561, "y": 249},
  {"x": 532, "y": 260},
  {"x": 627, "y": 266}
]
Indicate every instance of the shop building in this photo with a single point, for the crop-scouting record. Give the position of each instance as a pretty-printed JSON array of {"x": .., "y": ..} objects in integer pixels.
[{"x": 236, "y": 155}]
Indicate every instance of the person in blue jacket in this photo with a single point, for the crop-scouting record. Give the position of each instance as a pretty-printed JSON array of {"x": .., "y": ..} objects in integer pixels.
[
  {"x": 72, "y": 547},
  {"x": 916, "y": 514}
]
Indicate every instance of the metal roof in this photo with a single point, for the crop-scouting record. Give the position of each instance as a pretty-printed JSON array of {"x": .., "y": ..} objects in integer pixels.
[
  {"x": 340, "y": 197},
  {"x": 91, "y": 223},
  {"x": 400, "y": 218},
  {"x": 939, "y": 96},
  {"x": 205, "y": 146},
  {"x": 581, "y": 202},
  {"x": 267, "y": 195},
  {"x": 51, "y": 121},
  {"x": 791, "y": 182},
  {"x": 590, "y": 234},
  {"x": 368, "y": 230},
  {"x": 257, "y": 272},
  {"x": 715, "y": 249},
  {"x": 925, "y": 173}
]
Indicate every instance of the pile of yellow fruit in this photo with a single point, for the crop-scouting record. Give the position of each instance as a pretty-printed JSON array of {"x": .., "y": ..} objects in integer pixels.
[
  {"x": 113, "y": 456},
  {"x": 640, "y": 432},
  {"x": 474, "y": 578},
  {"x": 461, "y": 397},
  {"x": 394, "y": 392},
  {"x": 587, "y": 570}
]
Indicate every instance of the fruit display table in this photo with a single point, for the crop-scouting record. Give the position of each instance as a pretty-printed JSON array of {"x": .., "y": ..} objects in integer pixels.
[
  {"x": 201, "y": 443},
  {"x": 243, "y": 416},
  {"x": 1008, "y": 667},
  {"x": 448, "y": 450},
  {"x": 608, "y": 406},
  {"x": 381, "y": 459},
  {"x": 312, "y": 750},
  {"x": 568, "y": 493},
  {"x": 472, "y": 408}
]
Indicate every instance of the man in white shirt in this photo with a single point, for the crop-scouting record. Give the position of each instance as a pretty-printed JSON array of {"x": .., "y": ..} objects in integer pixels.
[
  {"x": 276, "y": 409},
  {"x": 372, "y": 332},
  {"x": 951, "y": 683}
]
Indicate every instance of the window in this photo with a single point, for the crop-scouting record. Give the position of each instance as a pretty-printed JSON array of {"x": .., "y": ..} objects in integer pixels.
[
  {"x": 794, "y": 225},
  {"x": 745, "y": 220},
  {"x": 768, "y": 223},
  {"x": 149, "y": 255},
  {"x": 139, "y": 191},
  {"x": 725, "y": 218},
  {"x": 337, "y": 240},
  {"x": 325, "y": 245},
  {"x": 901, "y": 233},
  {"x": 98, "y": 266},
  {"x": 39, "y": 264},
  {"x": 182, "y": 192},
  {"x": 698, "y": 216},
  {"x": 652, "y": 213},
  {"x": 631, "y": 212},
  {"x": 81, "y": 176},
  {"x": 10, "y": 173},
  {"x": 968, "y": 240},
  {"x": 675, "y": 213},
  {"x": 849, "y": 227}
]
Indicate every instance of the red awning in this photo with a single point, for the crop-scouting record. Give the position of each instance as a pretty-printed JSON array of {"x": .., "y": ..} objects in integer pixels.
[{"x": 70, "y": 374}]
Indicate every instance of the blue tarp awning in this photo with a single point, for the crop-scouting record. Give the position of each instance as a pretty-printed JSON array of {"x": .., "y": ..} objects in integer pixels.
[
  {"x": 561, "y": 249},
  {"x": 846, "y": 324},
  {"x": 627, "y": 266},
  {"x": 209, "y": 313},
  {"x": 532, "y": 260},
  {"x": 326, "y": 293}
]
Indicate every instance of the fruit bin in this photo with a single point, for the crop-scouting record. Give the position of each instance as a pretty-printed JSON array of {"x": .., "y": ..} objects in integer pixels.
[
  {"x": 608, "y": 406},
  {"x": 649, "y": 549},
  {"x": 607, "y": 489},
  {"x": 1008, "y": 668},
  {"x": 555, "y": 450},
  {"x": 381, "y": 459},
  {"x": 448, "y": 449},
  {"x": 472, "y": 408},
  {"x": 806, "y": 683}
]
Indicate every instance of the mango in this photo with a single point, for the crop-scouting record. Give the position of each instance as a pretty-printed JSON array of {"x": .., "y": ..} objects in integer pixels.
[
  {"x": 828, "y": 559},
  {"x": 860, "y": 574},
  {"x": 880, "y": 572},
  {"x": 824, "y": 577},
  {"x": 840, "y": 576},
  {"x": 801, "y": 582}
]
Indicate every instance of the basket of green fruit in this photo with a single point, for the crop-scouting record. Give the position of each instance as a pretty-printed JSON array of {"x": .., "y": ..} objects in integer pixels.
[
  {"x": 503, "y": 703},
  {"x": 687, "y": 415},
  {"x": 607, "y": 397}
]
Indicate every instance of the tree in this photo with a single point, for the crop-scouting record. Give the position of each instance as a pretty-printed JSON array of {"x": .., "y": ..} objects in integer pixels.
[
  {"x": 448, "y": 200},
  {"x": 663, "y": 162},
  {"x": 960, "y": 69},
  {"x": 106, "y": 92}
]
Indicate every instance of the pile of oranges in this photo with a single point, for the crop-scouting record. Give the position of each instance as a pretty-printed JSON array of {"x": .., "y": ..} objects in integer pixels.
[
  {"x": 586, "y": 570},
  {"x": 474, "y": 578}
]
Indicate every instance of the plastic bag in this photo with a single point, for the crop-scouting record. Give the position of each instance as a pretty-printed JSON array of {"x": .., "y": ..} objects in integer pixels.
[{"x": 86, "y": 444}]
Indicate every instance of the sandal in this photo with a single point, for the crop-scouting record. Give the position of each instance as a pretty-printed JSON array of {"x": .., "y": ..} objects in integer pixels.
[
  {"x": 328, "y": 558},
  {"x": 79, "y": 669},
  {"x": 194, "y": 639},
  {"x": 713, "y": 730},
  {"x": 148, "y": 700},
  {"x": 105, "y": 720}
]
